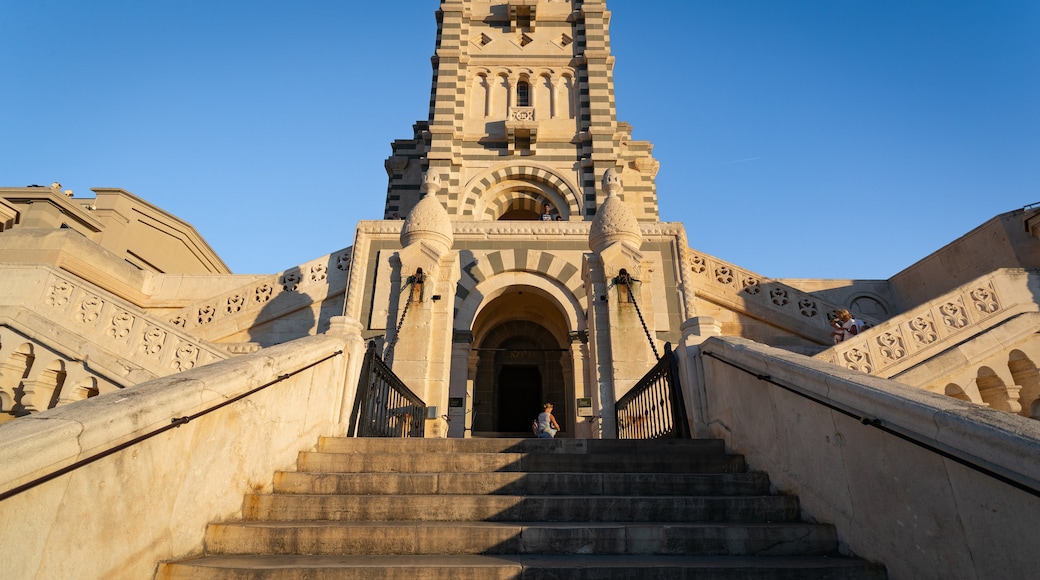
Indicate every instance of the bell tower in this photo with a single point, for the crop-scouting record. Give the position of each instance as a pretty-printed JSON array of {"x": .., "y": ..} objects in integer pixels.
[{"x": 521, "y": 115}]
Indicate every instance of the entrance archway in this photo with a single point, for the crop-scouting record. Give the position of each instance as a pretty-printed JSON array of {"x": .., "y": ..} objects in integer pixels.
[{"x": 521, "y": 362}]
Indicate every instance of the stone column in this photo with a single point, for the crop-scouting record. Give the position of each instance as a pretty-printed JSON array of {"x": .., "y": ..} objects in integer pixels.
[
  {"x": 460, "y": 384},
  {"x": 691, "y": 370},
  {"x": 349, "y": 328},
  {"x": 584, "y": 427}
]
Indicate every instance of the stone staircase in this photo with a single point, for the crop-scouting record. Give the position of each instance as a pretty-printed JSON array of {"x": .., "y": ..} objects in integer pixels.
[{"x": 519, "y": 509}]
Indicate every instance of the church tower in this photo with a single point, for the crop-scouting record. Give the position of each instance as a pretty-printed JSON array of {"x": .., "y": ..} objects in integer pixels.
[
  {"x": 521, "y": 115},
  {"x": 523, "y": 201}
]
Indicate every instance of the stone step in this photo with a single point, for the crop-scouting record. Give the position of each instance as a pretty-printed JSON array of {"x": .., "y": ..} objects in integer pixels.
[
  {"x": 431, "y": 538},
  {"x": 315, "y": 461},
  {"x": 673, "y": 447},
  {"x": 534, "y": 567},
  {"x": 520, "y": 483},
  {"x": 510, "y": 508}
]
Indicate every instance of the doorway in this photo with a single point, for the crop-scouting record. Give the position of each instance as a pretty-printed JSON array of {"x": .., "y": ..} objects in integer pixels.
[{"x": 519, "y": 398}]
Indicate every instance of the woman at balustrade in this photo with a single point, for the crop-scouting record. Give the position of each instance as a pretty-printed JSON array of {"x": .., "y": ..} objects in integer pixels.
[{"x": 845, "y": 326}]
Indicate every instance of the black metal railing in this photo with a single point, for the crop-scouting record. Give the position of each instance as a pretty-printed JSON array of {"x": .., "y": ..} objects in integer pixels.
[
  {"x": 384, "y": 406},
  {"x": 654, "y": 408}
]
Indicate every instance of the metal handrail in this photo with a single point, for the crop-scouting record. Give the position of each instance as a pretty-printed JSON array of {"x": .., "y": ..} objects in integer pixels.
[
  {"x": 174, "y": 423},
  {"x": 654, "y": 407},
  {"x": 880, "y": 424},
  {"x": 384, "y": 406}
]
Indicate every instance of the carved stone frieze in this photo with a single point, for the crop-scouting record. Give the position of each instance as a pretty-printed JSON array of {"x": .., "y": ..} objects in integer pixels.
[{"x": 933, "y": 327}]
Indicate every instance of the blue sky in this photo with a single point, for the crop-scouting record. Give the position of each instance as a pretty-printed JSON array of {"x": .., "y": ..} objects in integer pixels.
[{"x": 797, "y": 139}]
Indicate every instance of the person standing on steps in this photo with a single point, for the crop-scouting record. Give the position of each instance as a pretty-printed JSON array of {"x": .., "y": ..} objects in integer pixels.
[{"x": 547, "y": 425}]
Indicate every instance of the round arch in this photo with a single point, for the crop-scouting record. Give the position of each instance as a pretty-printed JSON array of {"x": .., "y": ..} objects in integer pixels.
[
  {"x": 484, "y": 292},
  {"x": 493, "y": 192}
]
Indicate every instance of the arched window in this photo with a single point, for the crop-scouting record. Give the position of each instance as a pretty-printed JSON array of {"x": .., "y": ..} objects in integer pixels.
[
  {"x": 523, "y": 94},
  {"x": 479, "y": 97}
]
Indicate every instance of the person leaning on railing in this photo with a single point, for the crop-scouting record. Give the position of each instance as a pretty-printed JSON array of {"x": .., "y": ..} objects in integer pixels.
[{"x": 845, "y": 326}]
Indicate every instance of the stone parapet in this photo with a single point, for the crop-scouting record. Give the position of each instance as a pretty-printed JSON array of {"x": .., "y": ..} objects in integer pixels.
[
  {"x": 748, "y": 293},
  {"x": 82, "y": 326},
  {"x": 266, "y": 298},
  {"x": 151, "y": 501},
  {"x": 909, "y": 339},
  {"x": 925, "y": 484}
]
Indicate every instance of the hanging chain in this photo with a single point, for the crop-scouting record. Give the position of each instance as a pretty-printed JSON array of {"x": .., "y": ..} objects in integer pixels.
[
  {"x": 397, "y": 331},
  {"x": 625, "y": 279},
  {"x": 412, "y": 281}
]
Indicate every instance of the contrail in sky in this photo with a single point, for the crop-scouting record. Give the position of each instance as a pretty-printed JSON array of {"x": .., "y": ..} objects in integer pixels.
[{"x": 740, "y": 161}]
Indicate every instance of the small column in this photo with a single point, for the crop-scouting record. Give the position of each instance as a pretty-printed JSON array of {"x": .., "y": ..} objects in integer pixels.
[
  {"x": 460, "y": 395},
  {"x": 579, "y": 369}
]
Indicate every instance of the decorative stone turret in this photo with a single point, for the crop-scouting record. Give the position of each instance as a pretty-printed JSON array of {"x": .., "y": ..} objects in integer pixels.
[
  {"x": 428, "y": 222},
  {"x": 614, "y": 221},
  {"x": 424, "y": 272}
]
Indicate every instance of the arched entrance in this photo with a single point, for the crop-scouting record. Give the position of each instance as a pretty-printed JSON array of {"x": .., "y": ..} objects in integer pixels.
[{"x": 520, "y": 364}]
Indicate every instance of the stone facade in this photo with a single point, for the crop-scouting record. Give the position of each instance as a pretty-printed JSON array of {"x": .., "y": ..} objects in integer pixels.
[{"x": 482, "y": 308}]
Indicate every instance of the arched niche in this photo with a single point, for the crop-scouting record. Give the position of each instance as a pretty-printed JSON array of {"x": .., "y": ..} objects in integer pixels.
[{"x": 498, "y": 191}]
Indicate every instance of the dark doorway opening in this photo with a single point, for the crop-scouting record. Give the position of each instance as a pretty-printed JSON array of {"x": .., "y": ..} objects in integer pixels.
[{"x": 519, "y": 398}]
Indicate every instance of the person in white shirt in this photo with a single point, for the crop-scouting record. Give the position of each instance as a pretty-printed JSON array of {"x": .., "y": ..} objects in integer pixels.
[
  {"x": 845, "y": 325},
  {"x": 546, "y": 425}
]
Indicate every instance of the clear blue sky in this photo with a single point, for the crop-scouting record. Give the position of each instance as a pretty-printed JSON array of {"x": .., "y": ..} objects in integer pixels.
[{"x": 797, "y": 139}]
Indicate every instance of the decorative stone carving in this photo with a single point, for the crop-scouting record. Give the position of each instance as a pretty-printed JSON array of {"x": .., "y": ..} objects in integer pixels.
[
  {"x": 428, "y": 221},
  {"x": 185, "y": 357},
  {"x": 235, "y": 303},
  {"x": 724, "y": 275},
  {"x": 858, "y": 360},
  {"x": 206, "y": 314},
  {"x": 90, "y": 309},
  {"x": 923, "y": 331},
  {"x": 154, "y": 338},
  {"x": 343, "y": 261},
  {"x": 891, "y": 346},
  {"x": 263, "y": 293},
  {"x": 752, "y": 286},
  {"x": 60, "y": 293},
  {"x": 953, "y": 315},
  {"x": 121, "y": 325},
  {"x": 319, "y": 272},
  {"x": 290, "y": 281},
  {"x": 779, "y": 296},
  {"x": 985, "y": 300},
  {"x": 614, "y": 222},
  {"x": 807, "y": 307}
]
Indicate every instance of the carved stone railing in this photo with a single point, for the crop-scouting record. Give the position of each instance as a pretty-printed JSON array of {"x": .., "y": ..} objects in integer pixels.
[
  {"x": 64, "y": 332},
  {"x": 912, "y": 337},
  {"x": 748, "y": 293},
  {"x": 265, "y": 299}
]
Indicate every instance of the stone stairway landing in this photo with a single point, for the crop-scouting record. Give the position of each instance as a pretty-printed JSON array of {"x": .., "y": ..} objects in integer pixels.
[{"x": 519, "y": 509}]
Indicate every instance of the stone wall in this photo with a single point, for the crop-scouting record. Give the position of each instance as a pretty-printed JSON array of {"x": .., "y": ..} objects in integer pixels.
[
  {"x": 848, "y": 456},
  {"x": 1006, "y": 241},
  {"x": 119, "y": 516}
]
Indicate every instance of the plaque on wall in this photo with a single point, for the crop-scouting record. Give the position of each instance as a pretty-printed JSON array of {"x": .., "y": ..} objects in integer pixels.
[{"x": 585, "y": 407}]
